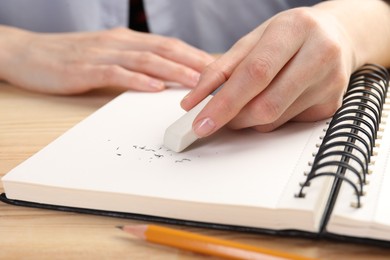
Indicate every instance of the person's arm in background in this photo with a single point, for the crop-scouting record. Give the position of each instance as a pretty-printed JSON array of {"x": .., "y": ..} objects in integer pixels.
[
  {"x": 70, "y": 63},
  {"x": 295, "y": 66}
]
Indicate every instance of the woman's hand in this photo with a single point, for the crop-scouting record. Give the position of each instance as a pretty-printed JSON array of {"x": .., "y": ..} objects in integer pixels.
[
  {"x": 295, "y": 66},
  {"x": 70, "y": 63}
]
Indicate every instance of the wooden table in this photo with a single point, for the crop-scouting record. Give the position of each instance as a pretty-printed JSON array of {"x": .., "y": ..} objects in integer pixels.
[{"x": 29, "y": 121}]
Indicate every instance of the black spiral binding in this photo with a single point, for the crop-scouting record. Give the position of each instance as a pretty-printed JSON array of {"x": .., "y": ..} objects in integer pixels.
[{"x": 349, "y": 141}]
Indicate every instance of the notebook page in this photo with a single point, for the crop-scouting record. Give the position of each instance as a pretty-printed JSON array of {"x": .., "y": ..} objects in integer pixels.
[{"x": 114, "y": 160}]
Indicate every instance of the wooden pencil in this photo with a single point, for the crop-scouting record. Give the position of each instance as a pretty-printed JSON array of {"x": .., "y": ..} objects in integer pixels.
[{"x": 204, "y": 244}]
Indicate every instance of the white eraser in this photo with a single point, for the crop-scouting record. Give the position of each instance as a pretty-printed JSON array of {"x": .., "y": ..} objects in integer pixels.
[{"x": 180, "y": 135}]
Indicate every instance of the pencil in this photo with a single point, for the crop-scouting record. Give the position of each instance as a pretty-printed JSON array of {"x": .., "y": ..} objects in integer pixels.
[{"x": 204, "y": 244}]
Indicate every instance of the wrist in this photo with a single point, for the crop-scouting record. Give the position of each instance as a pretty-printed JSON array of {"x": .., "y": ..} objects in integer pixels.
[
  {"x": 12, "y": 40},
  {"x": 366, "y": 24}
]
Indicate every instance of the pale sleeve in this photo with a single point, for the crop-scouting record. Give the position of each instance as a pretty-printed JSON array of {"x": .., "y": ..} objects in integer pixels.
[{"x": 64, "y": 15}]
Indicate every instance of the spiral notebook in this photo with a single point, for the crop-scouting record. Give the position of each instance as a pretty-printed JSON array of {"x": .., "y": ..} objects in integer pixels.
[{"x": 319, "y": 179}]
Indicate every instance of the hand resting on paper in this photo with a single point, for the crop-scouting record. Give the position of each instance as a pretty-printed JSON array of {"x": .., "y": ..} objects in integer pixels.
[
  {"x": 295, "y": 66},
  {"x": 71, "y": 63}
]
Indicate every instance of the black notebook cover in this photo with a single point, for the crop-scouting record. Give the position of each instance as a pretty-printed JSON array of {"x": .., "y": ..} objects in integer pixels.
[{"x": 170, "y": 221}]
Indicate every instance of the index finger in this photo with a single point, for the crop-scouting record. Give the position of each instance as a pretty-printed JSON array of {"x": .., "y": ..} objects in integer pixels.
[
  {"x": 251, "y": 76},
  {"x": 220, "y": 70}
]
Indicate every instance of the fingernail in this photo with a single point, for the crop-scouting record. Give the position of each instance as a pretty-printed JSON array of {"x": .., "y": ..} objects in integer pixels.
[
  {"x": 187, "y": 95},
  {"x": 204, "y": 127},
  {"x": 195, "y": 78},
  {"x": 156, "y": 84},
  {"x": 183, "y": 101}
]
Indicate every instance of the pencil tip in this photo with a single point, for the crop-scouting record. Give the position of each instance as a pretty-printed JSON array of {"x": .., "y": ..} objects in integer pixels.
[{"x": 136, "y": 230}]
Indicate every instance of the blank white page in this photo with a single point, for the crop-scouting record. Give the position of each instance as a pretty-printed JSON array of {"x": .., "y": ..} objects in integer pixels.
[{"x": 114, "y": 160}]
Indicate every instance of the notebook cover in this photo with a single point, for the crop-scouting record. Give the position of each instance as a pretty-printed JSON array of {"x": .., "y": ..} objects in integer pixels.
[
  {"x": 286, "y": 233},
  {"x": 292, "y": 233}
]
